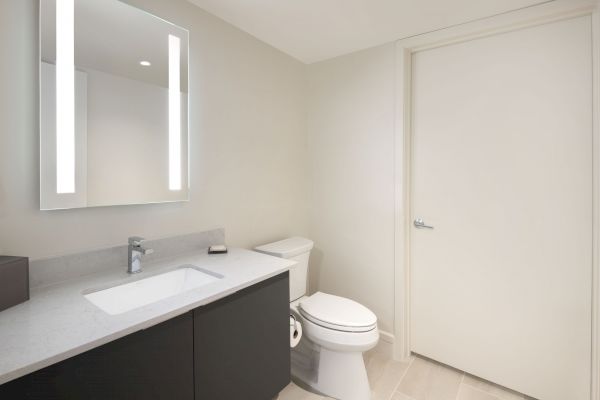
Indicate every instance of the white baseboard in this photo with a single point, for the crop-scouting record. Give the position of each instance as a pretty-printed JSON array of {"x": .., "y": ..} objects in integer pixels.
[
  {"x": 386, "y": 337},
  {"x": 385, "y": 346}
]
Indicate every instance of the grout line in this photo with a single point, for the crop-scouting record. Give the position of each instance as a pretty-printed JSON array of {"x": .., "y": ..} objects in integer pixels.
[
  {"x": 483, "y": 391},
  {"x": 460, "y": 385},
  {"x": 401, "y": 378},
  {"x": 502, "y": 388}
]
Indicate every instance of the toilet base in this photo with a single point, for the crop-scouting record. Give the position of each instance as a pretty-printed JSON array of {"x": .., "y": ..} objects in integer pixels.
[{"x": 341, "y": 375}]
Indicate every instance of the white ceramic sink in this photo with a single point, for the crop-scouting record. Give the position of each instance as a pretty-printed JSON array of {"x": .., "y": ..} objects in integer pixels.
[{"x": 128, "y": 296}]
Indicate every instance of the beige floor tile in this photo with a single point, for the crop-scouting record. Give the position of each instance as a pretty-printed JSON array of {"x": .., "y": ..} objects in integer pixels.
[
  {"x": 491, "y": 388},
  {"x": 428, "y": 380},
  {"x": 384, "y": 374},
  {"x": 294, "y": 392},
  {"x": 416, "y": 379},
  {"x": 400, "y": 396},
  {"x": 470, "y": 393}
]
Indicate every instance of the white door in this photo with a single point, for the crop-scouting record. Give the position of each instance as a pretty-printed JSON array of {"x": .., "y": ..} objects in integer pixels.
[{"x": 502, "y": 169}]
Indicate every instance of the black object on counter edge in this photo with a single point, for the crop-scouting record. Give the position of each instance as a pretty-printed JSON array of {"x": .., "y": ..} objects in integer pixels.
[{"x": 14, "y": 281}]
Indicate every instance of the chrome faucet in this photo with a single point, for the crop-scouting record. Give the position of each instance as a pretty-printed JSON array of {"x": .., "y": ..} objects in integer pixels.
[{"x": 135, "y": 253}]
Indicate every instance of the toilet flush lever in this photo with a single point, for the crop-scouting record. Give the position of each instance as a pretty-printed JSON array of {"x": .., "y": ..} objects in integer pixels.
[{"x": 420, "y": 224}]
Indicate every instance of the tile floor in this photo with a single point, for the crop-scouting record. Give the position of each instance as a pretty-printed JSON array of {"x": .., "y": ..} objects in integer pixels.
[{"x": 417, "y": 379}]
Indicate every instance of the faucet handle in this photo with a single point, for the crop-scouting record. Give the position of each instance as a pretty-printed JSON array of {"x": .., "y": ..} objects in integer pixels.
[{"x": 136, "y": 240}]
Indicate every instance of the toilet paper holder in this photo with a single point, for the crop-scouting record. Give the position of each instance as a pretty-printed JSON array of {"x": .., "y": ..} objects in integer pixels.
[{"x": 295, "y": 325}]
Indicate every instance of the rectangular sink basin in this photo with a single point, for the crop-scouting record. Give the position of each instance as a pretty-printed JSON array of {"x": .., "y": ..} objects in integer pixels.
[{"x": 132, "y": 295}]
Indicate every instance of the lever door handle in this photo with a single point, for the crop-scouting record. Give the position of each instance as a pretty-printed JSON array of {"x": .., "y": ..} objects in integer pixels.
[
  {"x": 420, "y": 224},
  {"x": 136, "y": 240}
]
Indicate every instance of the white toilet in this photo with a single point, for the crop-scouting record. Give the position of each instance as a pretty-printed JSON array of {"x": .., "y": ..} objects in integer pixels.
[{"x": 336, "y": 331}]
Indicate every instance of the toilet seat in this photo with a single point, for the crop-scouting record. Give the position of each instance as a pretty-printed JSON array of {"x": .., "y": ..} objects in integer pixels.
[{"x": 337, "y": 313}]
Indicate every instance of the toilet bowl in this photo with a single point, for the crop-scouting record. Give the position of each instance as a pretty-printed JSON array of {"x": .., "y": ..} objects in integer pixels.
[
  {"x": 336, "y": 332},
  {"x": 335, "y": 348}
]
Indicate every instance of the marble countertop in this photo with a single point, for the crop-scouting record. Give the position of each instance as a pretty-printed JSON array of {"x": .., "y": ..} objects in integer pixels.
[{"x": 58, "y": 322}]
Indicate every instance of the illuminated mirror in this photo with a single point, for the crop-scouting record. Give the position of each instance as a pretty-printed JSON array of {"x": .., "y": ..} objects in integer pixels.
[{"x": 113, "y": 106}]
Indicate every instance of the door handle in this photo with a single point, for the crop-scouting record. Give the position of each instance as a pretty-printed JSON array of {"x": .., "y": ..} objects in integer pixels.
[{"x": 420, "y": 224}]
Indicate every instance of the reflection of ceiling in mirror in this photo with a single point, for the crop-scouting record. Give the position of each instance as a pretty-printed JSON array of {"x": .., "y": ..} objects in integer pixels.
[{"x": 114, "y": 37}]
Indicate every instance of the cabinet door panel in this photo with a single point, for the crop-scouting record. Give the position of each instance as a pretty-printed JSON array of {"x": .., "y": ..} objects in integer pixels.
[
  {"x": 242, "y": 348},
  {"x": 152, "y": 364}
]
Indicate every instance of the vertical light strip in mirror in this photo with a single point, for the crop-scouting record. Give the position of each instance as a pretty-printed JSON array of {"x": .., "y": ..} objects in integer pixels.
[
  {"x": 65, "y": 96},
  {"x": 174, "y": 113}
]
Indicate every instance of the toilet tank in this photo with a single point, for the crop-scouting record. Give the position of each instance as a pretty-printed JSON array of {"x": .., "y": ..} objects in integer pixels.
[{"x": 297, "y": 249}]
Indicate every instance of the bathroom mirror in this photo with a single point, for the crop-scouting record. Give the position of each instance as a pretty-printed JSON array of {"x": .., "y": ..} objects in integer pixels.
[{"x": 113, "y": 106}]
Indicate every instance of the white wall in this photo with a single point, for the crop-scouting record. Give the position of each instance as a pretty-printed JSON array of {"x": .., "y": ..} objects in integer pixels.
[
  {"x": 247, "y": 138},
  {"x": 351, "y": 138}
]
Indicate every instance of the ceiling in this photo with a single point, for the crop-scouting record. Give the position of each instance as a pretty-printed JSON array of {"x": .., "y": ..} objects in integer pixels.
[{"x": 315, "y": 30}]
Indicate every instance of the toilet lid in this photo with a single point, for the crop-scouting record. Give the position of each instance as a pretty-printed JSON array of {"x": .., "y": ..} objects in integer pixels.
[{"x": 337, "y": 313}]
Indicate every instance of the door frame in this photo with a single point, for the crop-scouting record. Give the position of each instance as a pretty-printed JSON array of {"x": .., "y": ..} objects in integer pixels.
[{"x": 524, "y": 18}]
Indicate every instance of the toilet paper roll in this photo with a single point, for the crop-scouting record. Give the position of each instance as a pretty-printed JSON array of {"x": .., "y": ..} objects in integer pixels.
[{"x": 295, "y": 332}]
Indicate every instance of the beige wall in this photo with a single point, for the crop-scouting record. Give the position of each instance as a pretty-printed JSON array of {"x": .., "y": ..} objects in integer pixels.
[
  {"x": 351, "y": 138},
  {"x": 247, "y": 138}
]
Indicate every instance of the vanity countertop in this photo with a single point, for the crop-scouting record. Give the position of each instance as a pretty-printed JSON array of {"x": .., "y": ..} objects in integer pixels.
[{"x": 58, "y": 322}]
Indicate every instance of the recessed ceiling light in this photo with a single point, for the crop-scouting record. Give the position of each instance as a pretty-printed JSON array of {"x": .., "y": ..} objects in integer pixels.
[{"x": 145, "y": 63}]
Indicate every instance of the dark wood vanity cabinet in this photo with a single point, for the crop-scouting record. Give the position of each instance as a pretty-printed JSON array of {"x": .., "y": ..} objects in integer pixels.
[
  {"x": 234, "y": 348},
  {"x": 242, "y": 344}
]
